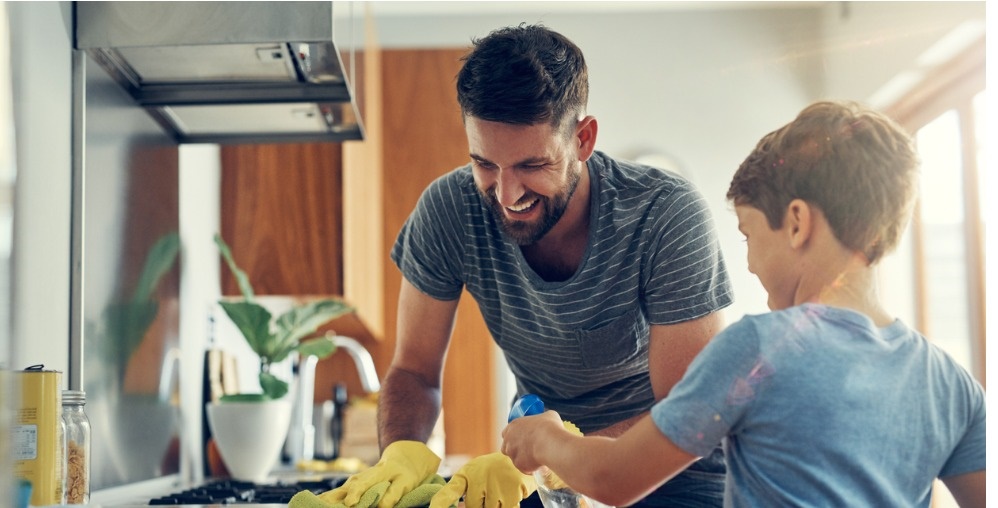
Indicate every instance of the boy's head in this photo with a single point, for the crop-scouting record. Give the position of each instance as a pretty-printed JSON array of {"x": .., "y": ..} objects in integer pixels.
[
  {"x": 524, "y": 75},
  {"x": 854, "y": 164}
]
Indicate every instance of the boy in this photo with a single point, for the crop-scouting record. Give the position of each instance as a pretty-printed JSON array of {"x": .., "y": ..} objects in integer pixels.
[{"x": 827, "y": 400}]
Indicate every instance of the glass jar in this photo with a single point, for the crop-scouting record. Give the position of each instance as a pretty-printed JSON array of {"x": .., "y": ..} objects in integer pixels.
[{"x": 77, "y": 447}]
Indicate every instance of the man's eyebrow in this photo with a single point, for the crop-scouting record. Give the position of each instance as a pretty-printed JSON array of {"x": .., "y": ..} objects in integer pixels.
[{"x": 525, "y": 162}]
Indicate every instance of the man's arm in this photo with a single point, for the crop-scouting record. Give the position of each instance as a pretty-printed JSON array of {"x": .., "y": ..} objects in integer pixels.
[
  {"x": 968, "y": 489},
  {"x": 409, "y": 403},
  {"x": 671, "y": 348}
]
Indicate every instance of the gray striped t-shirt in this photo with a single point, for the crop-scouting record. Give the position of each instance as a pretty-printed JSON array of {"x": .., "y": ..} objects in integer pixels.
[{"x": 581, "y": 344}]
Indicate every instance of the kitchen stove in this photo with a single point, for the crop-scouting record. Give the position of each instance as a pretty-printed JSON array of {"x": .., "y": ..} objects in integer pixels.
[{"x": 227, "y": 491}]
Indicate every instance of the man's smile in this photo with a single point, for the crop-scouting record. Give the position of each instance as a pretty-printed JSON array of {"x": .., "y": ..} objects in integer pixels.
[{"x": 522, "y": 208}]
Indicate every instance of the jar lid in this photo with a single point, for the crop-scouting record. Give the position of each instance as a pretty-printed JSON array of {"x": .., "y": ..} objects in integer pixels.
[{"x": 74, "y": 397}]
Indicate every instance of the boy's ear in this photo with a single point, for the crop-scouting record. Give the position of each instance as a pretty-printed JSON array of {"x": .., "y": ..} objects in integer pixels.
[{"x": 798, "y": 222}]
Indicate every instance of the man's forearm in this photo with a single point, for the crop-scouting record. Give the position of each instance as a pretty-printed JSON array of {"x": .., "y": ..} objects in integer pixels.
[{"x": 407, "y": 408}]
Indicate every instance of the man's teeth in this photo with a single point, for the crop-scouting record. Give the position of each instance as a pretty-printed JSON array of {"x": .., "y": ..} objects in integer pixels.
[{"x": 521, "y": 207}]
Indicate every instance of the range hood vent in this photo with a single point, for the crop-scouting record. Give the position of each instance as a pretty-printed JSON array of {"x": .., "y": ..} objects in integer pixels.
[{"x": 232, "y": 72}]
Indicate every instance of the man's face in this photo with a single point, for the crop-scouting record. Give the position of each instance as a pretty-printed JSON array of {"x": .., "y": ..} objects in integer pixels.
[
  {"x": 769, "y": 256},
  {"x": 526, "y": 174}
]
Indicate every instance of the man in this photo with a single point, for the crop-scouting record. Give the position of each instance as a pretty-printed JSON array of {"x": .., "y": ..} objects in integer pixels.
[{"x": 587, "y": 270}]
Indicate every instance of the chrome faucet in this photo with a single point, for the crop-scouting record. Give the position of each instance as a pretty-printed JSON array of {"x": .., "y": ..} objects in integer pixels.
[
  {"x": 362, "y": 359},
  {"x": 300, "y": 443}
]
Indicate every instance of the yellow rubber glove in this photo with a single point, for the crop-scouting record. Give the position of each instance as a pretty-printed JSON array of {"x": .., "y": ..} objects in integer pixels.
[
  {"x": 488, "y": 481},
  {"x": 404, "y": 464}
]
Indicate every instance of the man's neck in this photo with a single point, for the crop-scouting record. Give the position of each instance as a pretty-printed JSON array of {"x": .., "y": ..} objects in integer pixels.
[{"x": 558, "y": 254}]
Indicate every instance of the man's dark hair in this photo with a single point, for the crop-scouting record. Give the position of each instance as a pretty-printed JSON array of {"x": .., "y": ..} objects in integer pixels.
[{"x": 523, "y": 75}]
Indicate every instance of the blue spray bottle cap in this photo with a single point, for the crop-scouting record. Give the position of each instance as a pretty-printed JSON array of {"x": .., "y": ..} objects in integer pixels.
[{"x": 527, "y": 405}]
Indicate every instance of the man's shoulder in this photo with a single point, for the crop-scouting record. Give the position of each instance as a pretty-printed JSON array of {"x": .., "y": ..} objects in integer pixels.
[
  {"x": 460, "y": 176},
  {"x": 626, "y": 177},
  {"x": 454, "y": 185}
]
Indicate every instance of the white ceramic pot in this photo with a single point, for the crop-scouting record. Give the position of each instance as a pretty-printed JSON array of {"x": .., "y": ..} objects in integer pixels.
[{"x": 250, "y": 435}]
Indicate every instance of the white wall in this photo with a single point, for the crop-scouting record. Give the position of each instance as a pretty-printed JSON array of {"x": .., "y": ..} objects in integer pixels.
[
  {"x": 868, "y": 44},
  {"x": 41, "y": 70},
  {"x": 200, "y": 174}
]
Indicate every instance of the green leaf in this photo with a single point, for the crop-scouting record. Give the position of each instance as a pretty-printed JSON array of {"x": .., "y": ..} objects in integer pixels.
[
  {"x": 159, "y": 260},
  {"x": 320, "y": 347},
  {"x": 272, "y": 386},
  {"x": 127, "y": 324},
  {"x": 253, "y": 320},
  {"x": 241, "y": 278},
  {"x": 302, "y": 321},
  {"x": 244, "y": 397}
]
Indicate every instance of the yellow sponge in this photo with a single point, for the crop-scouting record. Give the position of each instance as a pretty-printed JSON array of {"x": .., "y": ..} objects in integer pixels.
[
  {"x": 569, "y": 426},
  {"x": 551, "y": 480}
]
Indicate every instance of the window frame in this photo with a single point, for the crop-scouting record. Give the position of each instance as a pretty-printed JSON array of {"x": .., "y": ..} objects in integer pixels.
[{"x": 953, "y": 86}]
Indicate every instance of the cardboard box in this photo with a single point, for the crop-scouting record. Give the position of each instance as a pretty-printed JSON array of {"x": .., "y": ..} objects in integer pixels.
[{"x": 37, "y": 445}]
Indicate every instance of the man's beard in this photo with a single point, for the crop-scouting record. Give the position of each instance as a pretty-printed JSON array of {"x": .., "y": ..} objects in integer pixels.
[{"x": 528, "y": 233}]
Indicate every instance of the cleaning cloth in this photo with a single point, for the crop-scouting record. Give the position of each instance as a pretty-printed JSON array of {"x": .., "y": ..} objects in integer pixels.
[{"x": 417, "y": 497}]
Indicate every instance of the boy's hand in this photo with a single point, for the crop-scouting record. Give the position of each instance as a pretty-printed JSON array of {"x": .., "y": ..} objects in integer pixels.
[{"x": 521, "y": 438}]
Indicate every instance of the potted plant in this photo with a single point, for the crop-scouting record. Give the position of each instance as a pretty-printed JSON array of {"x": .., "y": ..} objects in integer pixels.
[
  {"x": 274, "y": 340},
  {"x": 261, "y": 419}
]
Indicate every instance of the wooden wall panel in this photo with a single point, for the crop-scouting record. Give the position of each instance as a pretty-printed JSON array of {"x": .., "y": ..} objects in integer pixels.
[
  {"x": 282, "y": 217},
  {"x": 281, "y": 209},
  {"x": 424, "y": 138}
]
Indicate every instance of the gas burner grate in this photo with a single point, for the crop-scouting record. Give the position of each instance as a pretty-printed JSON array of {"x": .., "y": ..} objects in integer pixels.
[{"x": 237, "y": 492}]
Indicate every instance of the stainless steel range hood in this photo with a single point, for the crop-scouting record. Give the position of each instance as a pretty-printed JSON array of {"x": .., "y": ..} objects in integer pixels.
[{"x": 229, "y": 72}]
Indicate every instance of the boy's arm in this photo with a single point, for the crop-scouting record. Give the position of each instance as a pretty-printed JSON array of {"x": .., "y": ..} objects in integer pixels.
[
  {"x": 616, "y": 471},
  {"x": 671, "y": 348},
  {"x": 968, "y": 489}
]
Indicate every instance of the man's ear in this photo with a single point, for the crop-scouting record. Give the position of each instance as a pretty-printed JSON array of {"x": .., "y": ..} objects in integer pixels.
[
  {"x": 798, "y": 222},
  {"x": 585, "y": 133}
]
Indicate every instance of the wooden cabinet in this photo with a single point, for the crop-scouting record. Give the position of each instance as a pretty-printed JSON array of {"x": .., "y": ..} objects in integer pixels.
[
  {"x": 322, "y": 218},
  {"x": 282, "y": 216}
]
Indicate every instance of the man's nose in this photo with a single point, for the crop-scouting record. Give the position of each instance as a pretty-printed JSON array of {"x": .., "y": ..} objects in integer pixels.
[{"x": 509, "y": 189}]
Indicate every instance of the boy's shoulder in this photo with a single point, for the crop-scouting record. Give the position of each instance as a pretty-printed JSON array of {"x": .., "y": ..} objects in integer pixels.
[{"x": 808, "y": 326}]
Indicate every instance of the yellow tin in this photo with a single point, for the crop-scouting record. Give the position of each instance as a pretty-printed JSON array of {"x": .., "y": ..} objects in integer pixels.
[{"x": 37, "y": 443}]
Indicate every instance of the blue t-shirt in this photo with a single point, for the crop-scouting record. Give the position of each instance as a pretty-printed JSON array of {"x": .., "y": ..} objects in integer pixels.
[
  {"x": 816, "y": 406},
  {"x": 581, "y": 344}
]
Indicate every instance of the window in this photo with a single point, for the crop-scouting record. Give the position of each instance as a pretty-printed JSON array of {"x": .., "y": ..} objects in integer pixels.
[
  {"x": 946, "y": 236},
  {"x": 943, "y": 248}
]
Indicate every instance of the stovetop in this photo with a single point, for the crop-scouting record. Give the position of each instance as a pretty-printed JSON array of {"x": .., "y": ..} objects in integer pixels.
[{"x": 227, "y": 491}]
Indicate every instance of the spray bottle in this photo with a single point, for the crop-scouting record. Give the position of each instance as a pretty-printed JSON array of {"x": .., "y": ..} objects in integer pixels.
[{"x": 554, "y": 493}]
